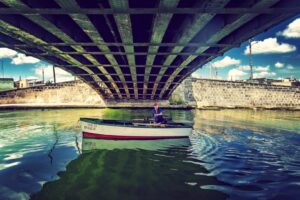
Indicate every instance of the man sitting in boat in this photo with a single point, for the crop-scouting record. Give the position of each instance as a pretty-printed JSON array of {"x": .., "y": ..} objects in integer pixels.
[{"x": 157, "y": 114}]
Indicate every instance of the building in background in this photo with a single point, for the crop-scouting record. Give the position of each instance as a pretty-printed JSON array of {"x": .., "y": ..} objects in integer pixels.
[
  {"x": 28, "y": 83},
  {"x": 6, "y": 84},
  {"x": 289, "y": 82},
  {"x": 264, "y": 81},
  {"x": 292, "y": 82}
]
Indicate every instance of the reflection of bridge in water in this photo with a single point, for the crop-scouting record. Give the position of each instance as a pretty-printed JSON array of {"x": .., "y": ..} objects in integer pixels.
[{"x": 135, "y": 49}]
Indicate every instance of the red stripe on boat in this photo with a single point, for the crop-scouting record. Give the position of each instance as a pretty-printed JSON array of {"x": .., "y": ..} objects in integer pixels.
[{"x": 123, "y": 137}]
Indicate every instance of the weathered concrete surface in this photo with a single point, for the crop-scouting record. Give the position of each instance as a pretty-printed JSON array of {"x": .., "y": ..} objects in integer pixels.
[
  {"x": 68, "y": 94},
  {"x": 228, "y": 94},
  {"x": 74, "y": 94}
]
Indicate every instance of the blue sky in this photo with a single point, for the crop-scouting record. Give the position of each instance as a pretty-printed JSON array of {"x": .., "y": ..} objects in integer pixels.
[
  {"x": 276, "y": 54},
  {"x": 18, "y": 65}
]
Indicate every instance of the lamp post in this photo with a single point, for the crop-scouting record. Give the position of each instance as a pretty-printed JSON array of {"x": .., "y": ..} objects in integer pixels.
[
  {"x": 250, "y": 57},
  {"x": 54, "y": 76}
]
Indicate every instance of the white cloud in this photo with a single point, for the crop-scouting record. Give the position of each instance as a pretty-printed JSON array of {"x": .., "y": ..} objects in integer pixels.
[
  {"x": 23, "y": 59},
  {"x": 226, "y": 62},
  {"x": 290, "y": 67},
  {"x": 17, "y": 58},
  {"x": 292, "y": 30},
  {"x": 196, "y": 75},
  {"x": 279, "y": 65},
  {"x": 61, "y": 75},
  {"x": 270, "y": 45},
  {"x": 7, "y": 53},
  {"x": 255, "y": 68},
  {"x": 244, "y": 67},
  {"x": 264, "y": 74},
  {"x": 236, "y": 74},
  {"x": 259, "y": 72},
  {"x": 262, "y": 68}
]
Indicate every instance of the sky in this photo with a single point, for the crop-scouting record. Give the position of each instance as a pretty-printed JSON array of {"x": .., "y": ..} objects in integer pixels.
[
  {"x": 275, "y": 54},
  {"x": 19, "y": 66}
]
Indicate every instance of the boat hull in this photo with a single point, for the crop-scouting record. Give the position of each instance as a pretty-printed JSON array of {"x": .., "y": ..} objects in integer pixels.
[{"x": 103, "y": 131}]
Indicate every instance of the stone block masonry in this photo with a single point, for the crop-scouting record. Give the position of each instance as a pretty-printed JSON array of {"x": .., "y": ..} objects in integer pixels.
[
  {"x": 67, "y": 94},
  {"x": 198, "y": 93},
  {"x": 231, "y": 94}
]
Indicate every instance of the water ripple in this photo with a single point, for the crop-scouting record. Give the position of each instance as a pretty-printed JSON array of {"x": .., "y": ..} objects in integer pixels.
[{"x": 248, "y": 161}]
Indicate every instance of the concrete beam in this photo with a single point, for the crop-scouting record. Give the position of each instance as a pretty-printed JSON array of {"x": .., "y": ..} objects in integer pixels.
[
  {"x": 131, "y": 53},
  {"x": 86, "y": 25},
  {"x": 124, "y": 27},
  {"x": 102, "y": 93},
  {"x": 108, "y": 11},
  {"x": 163, "y": 82},
  {"x": 137, "y": 66},
  {"x": 160, "y": 24},
  {"x": 101, "y": 90},
  {"x": 43, "y": 22},
  {"x": 252, "y": 28},
  {"x": 25, "y": 37},
  {"x": 192, "y": 27},
  {"x": 113, "y": 74},
  {"x": 219, "y": 31},
  {"x": 136, "y": 44}
]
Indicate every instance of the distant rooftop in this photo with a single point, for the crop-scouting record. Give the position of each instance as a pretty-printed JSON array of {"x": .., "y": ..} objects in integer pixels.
[{"x": 6, "y": 79}]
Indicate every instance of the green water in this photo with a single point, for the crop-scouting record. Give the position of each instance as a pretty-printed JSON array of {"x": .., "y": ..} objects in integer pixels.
[{"x": 233, "y": 154}]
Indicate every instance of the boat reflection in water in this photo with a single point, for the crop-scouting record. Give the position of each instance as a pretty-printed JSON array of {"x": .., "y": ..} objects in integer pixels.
[
  {"x": 109, "y": 169},
  {"x": 152, "y": 145}
]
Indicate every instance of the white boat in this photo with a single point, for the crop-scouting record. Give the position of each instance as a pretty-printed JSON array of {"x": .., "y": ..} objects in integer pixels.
[{"x": 133, "y": 130}]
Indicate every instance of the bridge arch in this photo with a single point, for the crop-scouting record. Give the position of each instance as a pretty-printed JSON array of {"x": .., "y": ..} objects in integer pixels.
[{"x": 135, "y": 49}]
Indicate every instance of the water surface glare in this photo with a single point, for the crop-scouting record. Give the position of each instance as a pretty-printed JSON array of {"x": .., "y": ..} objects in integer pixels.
[{"x": 233, "y": 154}]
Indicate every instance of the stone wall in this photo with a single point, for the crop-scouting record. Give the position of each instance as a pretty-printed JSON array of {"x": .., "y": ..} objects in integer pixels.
[
  {"x": 67, "y": 94},
  {"x": 191, "y": 93},
  {"x": 229, "y": 94}
]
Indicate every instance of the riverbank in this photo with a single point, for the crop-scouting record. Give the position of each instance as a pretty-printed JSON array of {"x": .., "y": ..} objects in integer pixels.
[
  {"x": 79, "y": 106},
  {"x": 170, "y": 107}
]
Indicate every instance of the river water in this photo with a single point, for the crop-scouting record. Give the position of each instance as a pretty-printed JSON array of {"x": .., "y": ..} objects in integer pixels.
[{"x": 233, "y": 154}]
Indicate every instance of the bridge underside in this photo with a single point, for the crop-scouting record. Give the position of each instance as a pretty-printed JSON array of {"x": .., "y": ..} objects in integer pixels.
[{"x": 135, "y": 49}]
